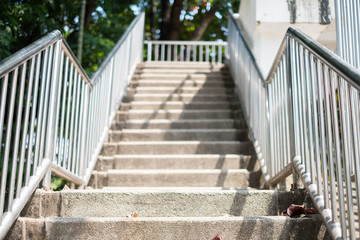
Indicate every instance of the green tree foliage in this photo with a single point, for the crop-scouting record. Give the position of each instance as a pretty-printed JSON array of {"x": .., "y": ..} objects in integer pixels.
[{"x": 24, "y": 21}]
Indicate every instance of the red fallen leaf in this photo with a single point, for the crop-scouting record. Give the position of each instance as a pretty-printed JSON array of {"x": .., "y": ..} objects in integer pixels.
[
  {"x": 217, "y": 237},
  {"x": 295, "y": 210},
  {"x": 310, "y": 211}
]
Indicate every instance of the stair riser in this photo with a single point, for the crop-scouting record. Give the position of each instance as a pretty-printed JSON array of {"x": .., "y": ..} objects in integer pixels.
[
  {"x": 110, "y": 149},
  {"x": 185, "y": 106},
  {"x": 182, "y": 77},
  {"x": 148, "y": 162},
  {"x": 187, "y": 70},
  {"x": 225, "y": 179},
  {"x": 266, "y": 228},
  {"x": 185, "y": 98},
  {"x": 155, "y": 90},
  {"x": 173, "y": 115},
  {"x": 178, "y": 136},
  {"x": 219, "y": 84},
  {"x": 154, "y": 204},
  {"x": 221, "y": 124}
]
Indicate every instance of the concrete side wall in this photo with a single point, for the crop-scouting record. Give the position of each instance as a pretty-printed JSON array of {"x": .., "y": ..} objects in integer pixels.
[{"x": 266, "y": 21}]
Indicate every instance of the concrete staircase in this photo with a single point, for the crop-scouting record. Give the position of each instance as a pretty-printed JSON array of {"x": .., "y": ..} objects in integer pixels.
[{"x": 179, "y": 156}]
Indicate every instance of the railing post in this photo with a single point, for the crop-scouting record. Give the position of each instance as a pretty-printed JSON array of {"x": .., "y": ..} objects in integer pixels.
[
  {"x": 296, "y": 178},
  {"x": 51, "y": 125}
]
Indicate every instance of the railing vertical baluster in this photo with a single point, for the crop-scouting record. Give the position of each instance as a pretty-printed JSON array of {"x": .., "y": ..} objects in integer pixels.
[
  {"x": 346, "y": 149},
  {"x": 70, "y": 166},
  {"x": 162, "y": 52},
  {"x": 62, "y": 141},
  {"x": 187, "y": 52},
  {"x": 32, "y": 124},
  {"x": 194, "y": 53},
  {"x": 169, "y": 53},
  {"x": 213, "y": 54},
  {"x": 181, "y": 53},
  {"x": 321, "y": 104},
  {"x": 175, "y": 52},
  {"x": 332, "y": 78},
  {"x": 41, "y": 109},
  {"x": 60, "y": 86},
  {"x": 7, "y": 143},
  {"x": 51, "y": 121},
  {"x": 354, "y": 100},
  {"x": 156, "y": 57},
  {"x": 314, "y": 119},
  {"x": 207, "y": 54},
  {"x": 307, "y": 88},
  {"x": 25, "y": 128},
  {"x": 149, "y": 51},
  {"x": 200, "y": 53},
  {"x": 219, "y": 53},
  {"x": 67, "y": 139}
]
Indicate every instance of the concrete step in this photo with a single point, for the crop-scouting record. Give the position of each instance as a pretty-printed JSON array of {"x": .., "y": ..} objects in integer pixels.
[
  {"x": 196, "y": 90},
  {"x": 183, "y": 105},
  {"x": 155, "y": 202},
  {"x": 184, "y": 83},
  {"x": 182, "y": 70},
  {"x": 184, "y": 76},
  {"x": 175, "y": 228},
  {"x": 178, "y": 135},
  {"x": 235, "y": 178},
  {"x": 178, "y": 147},
  {"x": 185, "y": 161},
  {"x": 186, "y": 97},
  {"x": 174, "y": 114},
  {"x": 179, "y": 124}
]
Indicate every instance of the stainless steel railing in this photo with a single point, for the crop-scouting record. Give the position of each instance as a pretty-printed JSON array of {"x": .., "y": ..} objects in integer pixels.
[
  {"x": 348, "y": 31},
  {"x": 53, "y": 118},
  {"x": 186, "y": 51},
  {"x": 308, "y": 122}
]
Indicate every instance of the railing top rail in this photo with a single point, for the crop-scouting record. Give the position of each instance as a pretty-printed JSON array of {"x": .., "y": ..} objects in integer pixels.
[
  {"x": 26, "y": 53},
  {"x": 77, "y": 65},
  {"x": 207, "y": 43},
  {"x": 344, "y": 69},
  {"x": 248, "y": 49},
  {"x": 95, "y": 76},
  {"x": 7, "y": 64}
]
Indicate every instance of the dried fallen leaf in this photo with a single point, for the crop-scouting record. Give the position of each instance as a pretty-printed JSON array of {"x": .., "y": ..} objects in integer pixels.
[
  {"x": 296, "y": 210},
  {"x": 217, "y": 237},
  {"x": 133, "y": 215},
  {"x": 226, "y": 215}
]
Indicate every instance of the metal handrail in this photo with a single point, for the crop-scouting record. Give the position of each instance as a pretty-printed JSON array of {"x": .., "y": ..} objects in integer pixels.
[
  {"x": 62, "y": 118},
  {"x": 312, "y": 123},
  {"x": 246, "y": 45}
]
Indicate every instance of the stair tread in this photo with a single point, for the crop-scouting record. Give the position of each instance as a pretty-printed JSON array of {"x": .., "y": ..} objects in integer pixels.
[{"x": 174, "y": 171}]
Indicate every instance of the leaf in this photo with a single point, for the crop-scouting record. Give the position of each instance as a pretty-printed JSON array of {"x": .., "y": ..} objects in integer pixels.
[{"x": 217, "y": 237}]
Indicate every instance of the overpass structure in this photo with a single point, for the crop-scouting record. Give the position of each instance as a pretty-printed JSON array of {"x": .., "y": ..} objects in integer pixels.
[{"x": 188, "y": 139}]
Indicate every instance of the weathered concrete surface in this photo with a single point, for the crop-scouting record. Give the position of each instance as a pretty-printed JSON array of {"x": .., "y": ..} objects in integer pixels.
[
  {"x": 178, "y": 135},
  {"x": 183, "y": 97},
  {"x": 180, "y": 124},
  {"x": 177, "y": 147},
  {"x": 171, "y": 228},
  {"x": 154, "y": 202},
  {"x": 203, "y": 161}
]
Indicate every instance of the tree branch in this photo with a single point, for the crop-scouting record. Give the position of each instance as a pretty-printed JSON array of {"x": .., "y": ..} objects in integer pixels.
[{"x": 209, "y": 16}]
